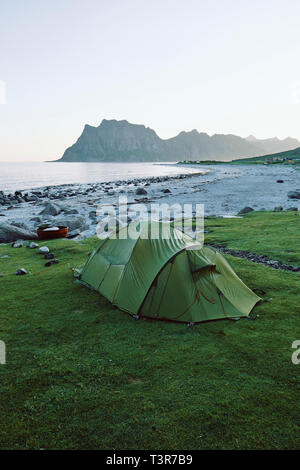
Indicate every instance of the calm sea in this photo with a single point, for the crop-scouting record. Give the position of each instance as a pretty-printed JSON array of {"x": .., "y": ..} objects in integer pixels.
[{"x": 18, "y": 176}]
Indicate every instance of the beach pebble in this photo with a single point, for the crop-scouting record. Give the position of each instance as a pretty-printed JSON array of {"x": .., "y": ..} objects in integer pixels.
[
  {"x": 44, "y": 249},
  {"x": 21, "y": 272}
]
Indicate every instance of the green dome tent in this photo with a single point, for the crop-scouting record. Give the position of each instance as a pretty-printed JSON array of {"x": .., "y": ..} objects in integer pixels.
[{"x": 166, "y": 278}]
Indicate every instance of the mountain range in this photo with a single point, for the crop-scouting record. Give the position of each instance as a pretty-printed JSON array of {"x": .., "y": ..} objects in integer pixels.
[{"x": 121, "y": 141}]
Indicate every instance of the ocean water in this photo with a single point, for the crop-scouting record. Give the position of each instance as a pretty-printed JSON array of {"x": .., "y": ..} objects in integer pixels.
[{"x": 19, "y": 176}]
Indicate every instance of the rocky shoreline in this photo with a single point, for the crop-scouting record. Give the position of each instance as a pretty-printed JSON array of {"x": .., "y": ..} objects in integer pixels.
[
  {"x": 65, "y": 204},
  {"x": 223, "y": 190}
]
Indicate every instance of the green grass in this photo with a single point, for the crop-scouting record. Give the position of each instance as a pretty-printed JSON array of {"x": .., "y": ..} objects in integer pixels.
[
  {"x": 275, "y": 234},
  {"x": 82, "y": 374}
]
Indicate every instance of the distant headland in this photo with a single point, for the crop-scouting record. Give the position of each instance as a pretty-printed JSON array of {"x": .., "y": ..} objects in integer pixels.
[{"x": 121, "y": 141}]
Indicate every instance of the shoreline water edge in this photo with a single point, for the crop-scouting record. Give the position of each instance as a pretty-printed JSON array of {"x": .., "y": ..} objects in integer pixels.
[{"x": 223, "y": 191}]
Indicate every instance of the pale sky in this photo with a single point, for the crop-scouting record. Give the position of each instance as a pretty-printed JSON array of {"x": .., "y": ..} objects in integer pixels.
[{"x": 219, "y": 66}]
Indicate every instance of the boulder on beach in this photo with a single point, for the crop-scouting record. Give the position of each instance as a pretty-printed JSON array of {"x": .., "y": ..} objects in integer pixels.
[
  {"x": 70, "y": 211},
  {"x": 10, "y": 233},
  {"x": 93, "y": 214},
  {"x": 294, "y": 194},
  {"x": 20, "y": 225},
  {"x": 37, "y": 219},
  {"x": 246, "y": 210},
  {"x": 51, "y": 209},
  {"x": 73, "y": 234},
  {"x": 73, "y": 223},
  {"x": 141, "y": 191},
  {"x": 30, "y": 197}
]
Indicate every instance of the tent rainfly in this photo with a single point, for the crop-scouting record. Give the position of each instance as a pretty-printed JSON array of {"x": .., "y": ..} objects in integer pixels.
[{"x": 166, "y": 278}]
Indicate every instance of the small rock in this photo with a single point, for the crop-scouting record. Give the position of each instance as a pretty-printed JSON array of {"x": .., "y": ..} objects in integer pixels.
[
  {"x": 37, "y": 219},
  {"x": 73, "y": 234},
  {"x": 17, "y": 244},
  {"x": 71, "y": 211},
  {"x": 93, "y": 214},
  {"x": 141, "y": 191},
  {"x": 279, "y": 181},
  {"x": 51, "y": 209},
  {"x": 294, "y": 194},
  {"x": 20, "y": 225},
  {"x": 44, "y": 249},
  {"x": 49, "y": 256},
  {"x": 246, "y": 210},
  {"x": 33, "y": 245},
  {"x": 166, "y": 191},
  {"x": 21, "y": 272},
  {"x": 53, "y": 261}
]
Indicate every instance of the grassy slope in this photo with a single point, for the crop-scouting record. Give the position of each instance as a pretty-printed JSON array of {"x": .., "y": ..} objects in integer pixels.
[
  {"x": 290, "y": 154},
  {"x": 81, "y": 374}
]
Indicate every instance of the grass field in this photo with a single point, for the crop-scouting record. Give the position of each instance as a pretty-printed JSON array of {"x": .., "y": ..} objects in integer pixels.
[{"x": 80, "y": 374}]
